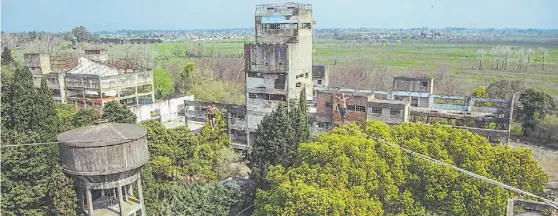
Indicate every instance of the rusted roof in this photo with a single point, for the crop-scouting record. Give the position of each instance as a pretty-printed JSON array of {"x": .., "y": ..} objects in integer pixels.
[
  {"x": 63, "y": 62},
  {"x": 102, "y": 135}
]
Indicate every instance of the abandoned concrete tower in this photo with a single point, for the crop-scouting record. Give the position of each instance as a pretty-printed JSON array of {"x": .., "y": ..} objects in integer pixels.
[
  {"x": 279, "y": 64},
  {"x": 105, "y": 160}
]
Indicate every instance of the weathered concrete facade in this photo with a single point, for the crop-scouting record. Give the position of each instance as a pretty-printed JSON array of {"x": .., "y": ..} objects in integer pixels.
[
  {"x": 413, "y": 98},
  {"x": 320, "y": 75},
  {"x": 91, "y": 81},
  {"x": 279, "y": 64}
]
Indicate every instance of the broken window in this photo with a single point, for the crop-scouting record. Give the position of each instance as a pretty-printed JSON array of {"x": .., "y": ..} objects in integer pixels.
[
  {"x": 277, "y": 97},
  {"x": 360, "y": 108},
  {"x": 328, "y": 104},
  {"x": 306, "y": 26},
  {"x": 255, "y": 74},
  {"x": 319, "y": 82},
  {"x": 251, "y": 95},
  {"x": 280, "y": 81},
  {"x": 414, "y": 102},
  {"x": 298, "y": 84},
  {"x": 424, "y": 84},
  {"x": 253, "y": 63},
  {"x": 351, "y": 107},
  {"x": 394, "y": 112},
  {"x": 274, "y": 26},
  {"x": 376, "y": 110},
  {"x": 306, "y": 75}
]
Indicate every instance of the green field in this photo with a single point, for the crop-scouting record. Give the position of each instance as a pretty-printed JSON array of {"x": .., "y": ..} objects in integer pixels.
[{"x": 415, "y": 57}]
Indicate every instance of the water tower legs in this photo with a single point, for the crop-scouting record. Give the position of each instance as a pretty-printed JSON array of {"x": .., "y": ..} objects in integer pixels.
[
  {"x": 120, "y": 200},
  {"x": 140, "y": 191},
  {"x": 89, "y": 201}
]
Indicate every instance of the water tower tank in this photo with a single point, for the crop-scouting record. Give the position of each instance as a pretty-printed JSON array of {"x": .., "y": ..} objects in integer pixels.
[{"x": 105, "y": 158}]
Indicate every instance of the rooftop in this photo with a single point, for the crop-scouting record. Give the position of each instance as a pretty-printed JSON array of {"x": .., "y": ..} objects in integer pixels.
[
  {"x": 389, "y": 102},
  {"x": 102, "y": 135},
  {"x": 412, "y": 78},
  {"x": 95, "y": 67}
]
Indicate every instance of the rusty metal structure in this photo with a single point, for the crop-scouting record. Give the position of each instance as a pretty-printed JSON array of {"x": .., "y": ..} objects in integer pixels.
[{"x": 105, "y": 160}]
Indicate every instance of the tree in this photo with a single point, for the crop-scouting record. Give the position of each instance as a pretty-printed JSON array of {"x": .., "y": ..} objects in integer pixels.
[
  {"x": 45, "y": 119},
  {"x": 163, "y": 83},
  {"x": 305, "y": 134},
  {"x": 32, "y": 178},
  {"x": 66, "y": 114},
  {"x": 343, "y": 172},
  {"x": 209, "y": 199},
  {"x": 505, "y": 89},
  {"x": 119, "y": 113},
  {"x": 7, "y": 56},
  {"x": 533, "y": 105},
  {"x": 274, "y": 145},
  {"x": 543, "y": 55},
  {"x": 81, "y": 34},
  {"x": 480, "y": 92},
  {"x": 17, "y": 100},
  {"x": 480, "y": 56},
  {"x": 85, "y": 117}
]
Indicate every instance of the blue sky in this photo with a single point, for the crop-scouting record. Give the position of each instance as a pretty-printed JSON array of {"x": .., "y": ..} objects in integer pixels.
[{"x": 96, "y": 15}]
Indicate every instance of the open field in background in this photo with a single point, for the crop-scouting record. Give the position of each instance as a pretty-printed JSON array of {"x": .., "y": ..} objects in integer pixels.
[{"x": 379, "y": 62}]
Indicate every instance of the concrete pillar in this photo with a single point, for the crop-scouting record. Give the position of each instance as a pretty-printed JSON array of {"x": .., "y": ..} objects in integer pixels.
[
  {"x": 137, "y": 98},
  {"x": 80, "y": 197},
  {"x": 89, "y": 201},
  {"x": 509, "y": 207},
  {"x": 152, "y": 93},
  {"x": 120, "y": 200},
  {"x": 140, "y": 192}
]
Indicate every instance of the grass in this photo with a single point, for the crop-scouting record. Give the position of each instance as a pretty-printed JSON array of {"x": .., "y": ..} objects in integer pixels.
[{"x": 424, "y": 57}]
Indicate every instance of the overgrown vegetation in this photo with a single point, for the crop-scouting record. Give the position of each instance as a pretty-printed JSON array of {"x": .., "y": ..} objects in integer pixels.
[{"x": 345, "y": 173}]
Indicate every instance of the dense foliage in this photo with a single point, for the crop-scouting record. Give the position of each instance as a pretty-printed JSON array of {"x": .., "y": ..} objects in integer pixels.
[
  {"x": 279, "y": 134},
  {"x": 180, "y": 159},
  {"x": 534, "y": 106},
  {"x": 113, "y": 111},
  {"x": 208, "y": 199},
  {"x": 32, "y": 179},
  {"x": 345, "y": 173}
]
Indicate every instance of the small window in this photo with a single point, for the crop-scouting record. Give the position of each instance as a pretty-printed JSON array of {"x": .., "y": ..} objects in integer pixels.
[
  {"x": 424, "y": 84},
  {"x": 328, "y": 104},
  {"x": 306, "y": 75},
  {"x": 255, "y": 74},
  {"x": 319, "y": 82},
  {"x": 266, "y": 64},
  {"x": 376, "y": 110},
  {"x": 414, "y": 102},
  {"x": 351, "y": 107},
  {"x": 360, "y": 108},
  {"x": 277, "y": 97},
  {"x": 394, "y": 112},
  {"x": 253, "y": 63},
  {"x": 280, "y": 63},
  {"x": 251, "y": 95},
  {"x": 298, "y": 84}
]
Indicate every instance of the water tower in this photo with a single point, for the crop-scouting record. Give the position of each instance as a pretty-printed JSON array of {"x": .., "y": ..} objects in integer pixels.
[{"x": 105, "y": 160}]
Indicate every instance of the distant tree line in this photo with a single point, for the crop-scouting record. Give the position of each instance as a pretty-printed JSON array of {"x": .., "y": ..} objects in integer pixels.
[{"x": 129, "y": 41}]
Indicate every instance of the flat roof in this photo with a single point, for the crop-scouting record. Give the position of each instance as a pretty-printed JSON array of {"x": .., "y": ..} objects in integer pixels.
[{"x": 389, "y": 102}]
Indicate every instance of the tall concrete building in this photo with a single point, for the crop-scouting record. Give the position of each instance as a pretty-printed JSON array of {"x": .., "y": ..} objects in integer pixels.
[{"x": 279, "y": 64}]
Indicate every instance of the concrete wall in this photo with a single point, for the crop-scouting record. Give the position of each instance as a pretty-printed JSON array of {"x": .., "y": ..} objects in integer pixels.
[
  {"x": 266, "y": 58},
  {"x": 37, "y": 63},
  {"x": 167, "y": 110},
  {"x": 325, "y": 112},
  {"x": 413, "y": 84},
  {"x": 126, "y": 80},
  {"x": 386, "y": 114}
]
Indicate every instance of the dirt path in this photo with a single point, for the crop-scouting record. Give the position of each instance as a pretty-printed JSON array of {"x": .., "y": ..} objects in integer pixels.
[{"x": 547, "y": 159}]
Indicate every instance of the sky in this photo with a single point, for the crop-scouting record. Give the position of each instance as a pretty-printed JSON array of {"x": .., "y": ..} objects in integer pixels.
[{"x": 110, "y": 15}]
